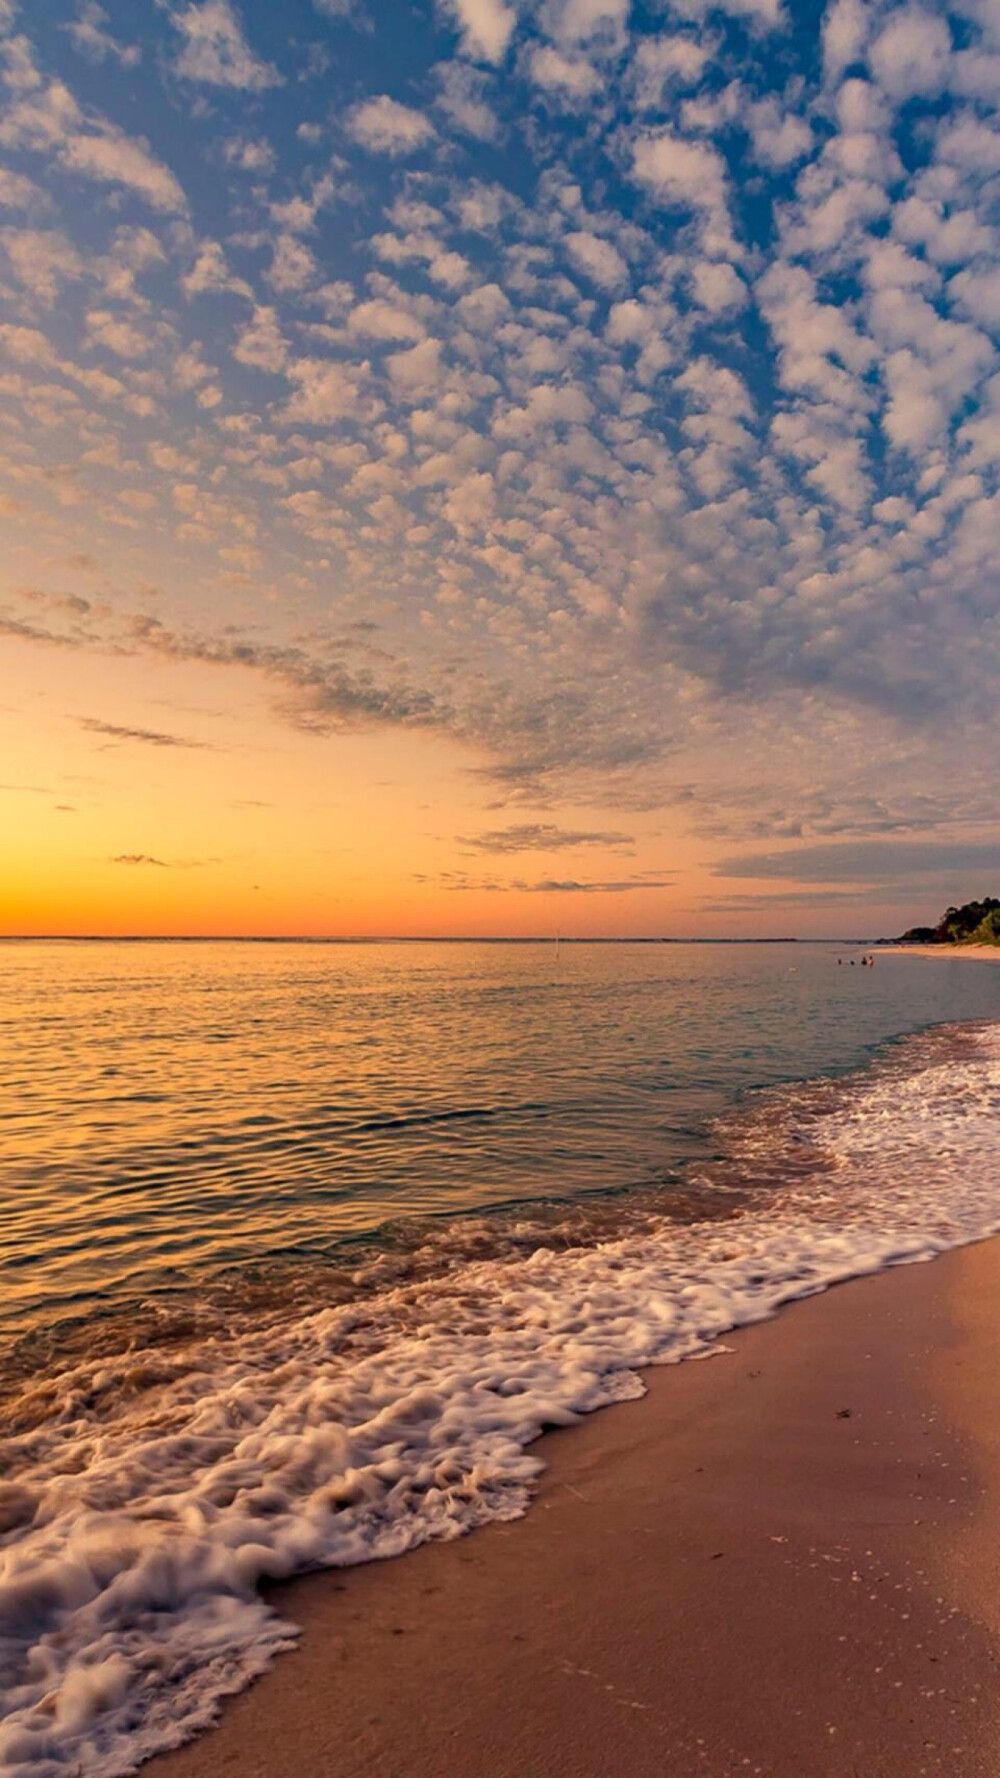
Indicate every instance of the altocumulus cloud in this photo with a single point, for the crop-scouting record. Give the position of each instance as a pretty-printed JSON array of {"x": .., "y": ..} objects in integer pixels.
[{"x": 635, "y": 371}]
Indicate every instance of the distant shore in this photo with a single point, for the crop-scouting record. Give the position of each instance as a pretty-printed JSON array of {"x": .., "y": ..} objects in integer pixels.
[
  {"x": 985, "y": 953},
  {"x": 781, "y": 1561}
]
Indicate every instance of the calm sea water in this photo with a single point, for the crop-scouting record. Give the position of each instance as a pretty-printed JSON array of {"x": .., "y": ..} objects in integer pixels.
[
  {"x": 302, "y": 1247},
  {"x": 172, "y": 1112}
]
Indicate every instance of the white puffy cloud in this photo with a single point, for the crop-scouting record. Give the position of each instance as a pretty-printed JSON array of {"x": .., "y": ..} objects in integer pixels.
[
  {"x": 632, "y": 322},
  {"x": 462, "y": 98},
  {"x": 41, "y": 260},
  {"x": 970, "y": 143},
  {"x": 977, "y": 293},
  {"x": 260, "y": 341},
  {"x": 190, "y": 370},
  {"x": 578, "y": 21},
  {"x": 28, "y": 345},
  {"x": 716, "y": 388},
  {"x": 44, "y": 117},
  {"x": 384, "y": 126},
  {"x": 976, "y": 75},
  {"x": 443, "y": 264},
  {"x": 215, "y": 48},
  {"x": 483, "y": 309},
  {"x": 947, "y": 237},
  {"x": 846, "y": 28},
  {"x": 17, "y": 192},
  {"x": 417, "y": 371},
  {"x": 324, "y": 392},
  {"x": 571, "y": 76},
  {"x": 249, "y": 154},
  {"x": 111, "y": 158},
  {"x": 661, "y": 62},
  {"x": 780, "y": 137},
  {"x": 292, "y": 265},
  {"x": 822, "y": 352},
  {"x": 918, "y": 408},
  {"x": 471, "y": 506},
  {"x": 687, "y": 174},
  {"x": 911, "y": 55},
  {"x": 598, "y": 259},
  {"x": 210, "y": 272},
  {"x": 381, "y": 319},
  {"x": 716, "y": 287},
  {"x": 118, "y": 335},
  {"x": 487, "y": 26}
]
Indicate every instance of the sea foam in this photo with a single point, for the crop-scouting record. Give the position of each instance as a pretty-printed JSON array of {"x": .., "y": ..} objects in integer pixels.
[{"x": 140, "y": 1517}]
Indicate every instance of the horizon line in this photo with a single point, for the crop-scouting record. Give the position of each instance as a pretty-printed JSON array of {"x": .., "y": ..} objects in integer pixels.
[{"x": 394, "y": 938}]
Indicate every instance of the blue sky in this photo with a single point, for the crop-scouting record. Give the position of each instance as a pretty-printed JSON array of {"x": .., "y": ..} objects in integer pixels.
[{"x": 609, "y": 391}]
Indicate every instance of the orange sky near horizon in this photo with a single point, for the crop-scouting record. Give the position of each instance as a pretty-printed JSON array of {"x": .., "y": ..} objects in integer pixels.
[{"x": 242, "y": 825}]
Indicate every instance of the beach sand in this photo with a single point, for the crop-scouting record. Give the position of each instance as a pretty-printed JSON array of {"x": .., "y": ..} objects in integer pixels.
[{"x": 783, "y": 1561}]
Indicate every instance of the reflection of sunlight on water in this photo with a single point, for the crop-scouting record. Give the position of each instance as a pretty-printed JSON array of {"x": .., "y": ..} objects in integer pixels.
[{"x": 175, "y": 1116}]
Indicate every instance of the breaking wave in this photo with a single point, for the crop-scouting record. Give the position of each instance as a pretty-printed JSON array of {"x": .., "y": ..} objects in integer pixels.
[{"x": 147, "y": 1494}]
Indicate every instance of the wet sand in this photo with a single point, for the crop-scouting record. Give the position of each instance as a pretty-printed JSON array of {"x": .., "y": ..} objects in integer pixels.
[{"x": 784, "y": 1561}]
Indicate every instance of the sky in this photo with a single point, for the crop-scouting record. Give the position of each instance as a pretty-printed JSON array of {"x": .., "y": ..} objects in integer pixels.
[{"x": 498, "y": 466}]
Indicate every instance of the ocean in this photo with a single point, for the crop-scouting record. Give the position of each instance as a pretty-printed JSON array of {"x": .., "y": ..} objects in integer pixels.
[{"x": 303, "y": 1245}]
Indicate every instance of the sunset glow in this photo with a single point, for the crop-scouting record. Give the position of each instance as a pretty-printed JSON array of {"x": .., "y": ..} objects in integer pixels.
[{"x": 532, "y": 474}]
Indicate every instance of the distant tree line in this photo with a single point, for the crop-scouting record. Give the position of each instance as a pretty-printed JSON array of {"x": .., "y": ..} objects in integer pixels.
[{"x": 977, "y": 923}]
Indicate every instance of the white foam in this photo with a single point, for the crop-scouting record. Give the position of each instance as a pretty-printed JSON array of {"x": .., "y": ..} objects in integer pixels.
[{"x": 142, "y": 1515}]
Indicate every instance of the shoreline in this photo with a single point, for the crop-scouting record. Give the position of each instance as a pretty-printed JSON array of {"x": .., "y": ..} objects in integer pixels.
[
  {"x": 972, "y": 953},
  {"x": 782, "y": 1560}
]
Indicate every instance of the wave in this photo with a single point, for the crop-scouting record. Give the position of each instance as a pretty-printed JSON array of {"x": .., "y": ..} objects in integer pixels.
[{"x": 147, "y": 1495}]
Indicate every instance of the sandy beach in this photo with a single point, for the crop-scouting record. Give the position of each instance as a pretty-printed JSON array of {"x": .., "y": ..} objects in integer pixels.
[{"x": 782, "y": 1561}]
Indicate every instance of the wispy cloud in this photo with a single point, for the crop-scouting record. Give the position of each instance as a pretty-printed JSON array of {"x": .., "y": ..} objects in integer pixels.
[
  {"x": 867, "y": 861},
  {"x": 460, "y": 882},
  {"x": 147, "y": 859},
  {"x": 570, "y": 886},
  {"x": 798, "y": 899},
  {"x": 90, "y": 35},
  {"x": 114, "y": 731},
  {"x": 542, "y": 837}
]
